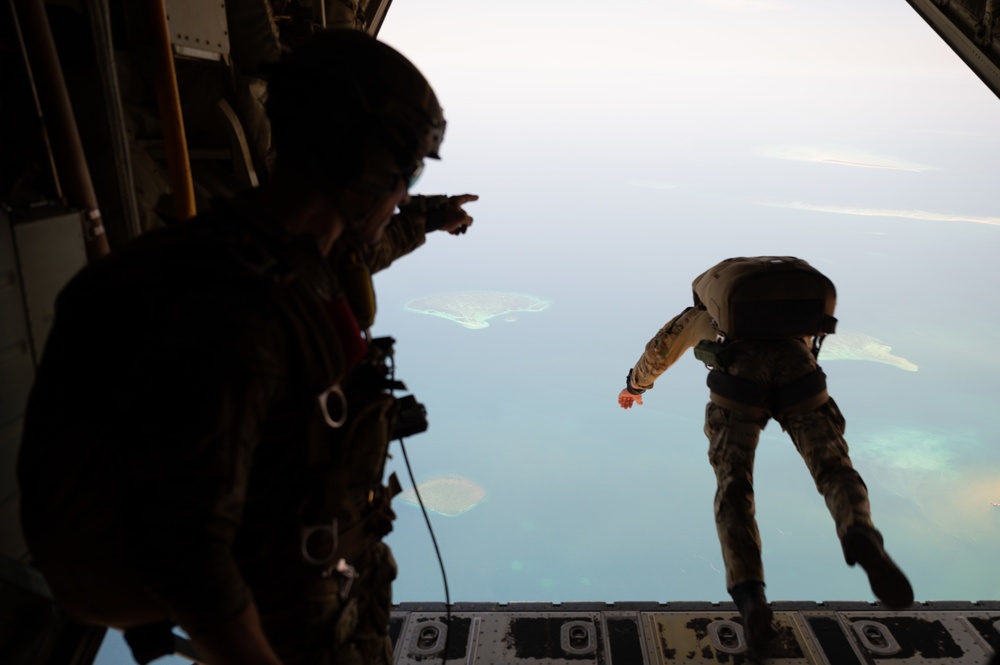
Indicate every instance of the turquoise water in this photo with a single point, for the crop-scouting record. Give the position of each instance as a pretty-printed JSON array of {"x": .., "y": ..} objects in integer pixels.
[
  {"x": 588, "y": 502},
  {"x": 617, "y": 157}
]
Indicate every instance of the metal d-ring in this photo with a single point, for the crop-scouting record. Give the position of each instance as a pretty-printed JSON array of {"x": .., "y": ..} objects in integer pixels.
[
  {"x": 308, "y": 531},
  {"x": 324, "y": 405}
]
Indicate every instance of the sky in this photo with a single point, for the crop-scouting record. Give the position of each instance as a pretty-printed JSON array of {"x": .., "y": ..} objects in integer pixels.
[
  {"x": 620, "y": 149},
  {"x": 618, "y": 152}
]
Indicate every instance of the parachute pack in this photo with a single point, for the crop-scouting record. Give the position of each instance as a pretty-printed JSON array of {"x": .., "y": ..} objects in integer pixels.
[{"x": 763, "y": 297}]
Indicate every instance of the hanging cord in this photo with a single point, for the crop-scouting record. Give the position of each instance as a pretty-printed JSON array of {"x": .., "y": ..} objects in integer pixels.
[
  {"x": 430, "y": 530},
  {"x": 437, "y": 550}
]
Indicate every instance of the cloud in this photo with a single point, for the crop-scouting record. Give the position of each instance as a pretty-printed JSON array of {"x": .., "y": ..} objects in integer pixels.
[
  {"x": 745, "y": 5},
  {"x": 843, "y": 157},
  {"x": 957, "y": 133},
  {"x": 650, "y": 184},
  {"x": 924, "y": 215}
]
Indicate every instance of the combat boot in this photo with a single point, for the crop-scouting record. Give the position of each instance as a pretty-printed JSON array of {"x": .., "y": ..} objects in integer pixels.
[
  {"x": 863, "y": 544},
  {"x": 758, "y": 618}
]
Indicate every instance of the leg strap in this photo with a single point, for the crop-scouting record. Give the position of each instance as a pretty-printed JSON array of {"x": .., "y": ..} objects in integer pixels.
[{"x": 807, "y": 390}]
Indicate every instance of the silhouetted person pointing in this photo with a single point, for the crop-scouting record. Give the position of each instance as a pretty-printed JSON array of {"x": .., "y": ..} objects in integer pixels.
[{"x": 206, "y": 438}]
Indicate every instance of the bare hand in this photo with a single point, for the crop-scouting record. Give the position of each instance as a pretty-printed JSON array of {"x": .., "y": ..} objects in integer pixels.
[
  {"x": 456, "y": 220},
  {"x": 627, "y": 399}
]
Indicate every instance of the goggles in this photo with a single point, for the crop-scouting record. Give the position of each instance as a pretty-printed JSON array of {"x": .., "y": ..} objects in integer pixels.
[
  {"x": 414, "y": 175},
  {"x": 409, "y": 176}
]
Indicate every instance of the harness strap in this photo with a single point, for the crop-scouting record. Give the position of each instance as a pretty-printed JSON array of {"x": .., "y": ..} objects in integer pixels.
[
  {"x": 336, "y": 524},
  {"x": 811, "y": 387},
  {"x": 817, "y": 344},
  {"x": 757, "y": 400},
  {"x": 737, "y": 389},
  {"x": 375, "y": 520}
]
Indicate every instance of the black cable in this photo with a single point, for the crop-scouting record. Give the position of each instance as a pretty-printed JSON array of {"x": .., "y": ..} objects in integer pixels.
[
  {"x": 430, "y": 530},
  {"x": 437, "y": 550}
]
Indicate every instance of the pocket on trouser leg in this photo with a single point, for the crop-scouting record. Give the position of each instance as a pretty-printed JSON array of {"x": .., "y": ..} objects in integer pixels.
[
  {"x": 732, "y": 438},
  {"x": 822, "y": 423},
  {"x": 836, "y": 417},
  {"x": 716, "y": 418}
]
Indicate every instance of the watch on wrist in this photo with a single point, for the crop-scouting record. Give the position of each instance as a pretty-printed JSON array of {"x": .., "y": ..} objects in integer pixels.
[{"x": 628, "y": 385}]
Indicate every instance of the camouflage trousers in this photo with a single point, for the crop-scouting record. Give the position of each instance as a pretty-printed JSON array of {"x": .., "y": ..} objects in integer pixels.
[
  {"x": 325, "y": 629},
  {"x": 818, "y": 436}
]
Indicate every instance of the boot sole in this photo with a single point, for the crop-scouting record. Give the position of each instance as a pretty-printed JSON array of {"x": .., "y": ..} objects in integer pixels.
[{"x": 886, "y": 579}]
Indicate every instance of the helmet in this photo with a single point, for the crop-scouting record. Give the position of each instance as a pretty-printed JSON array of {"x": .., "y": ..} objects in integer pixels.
[{"x": 353, "y": 110}]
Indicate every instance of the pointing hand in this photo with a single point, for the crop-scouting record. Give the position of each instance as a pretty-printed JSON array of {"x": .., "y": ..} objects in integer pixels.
[{"x": 457, "y": 221}]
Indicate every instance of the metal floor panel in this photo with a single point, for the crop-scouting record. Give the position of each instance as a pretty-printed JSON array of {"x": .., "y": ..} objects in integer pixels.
[{"x": 694, "y": 633}]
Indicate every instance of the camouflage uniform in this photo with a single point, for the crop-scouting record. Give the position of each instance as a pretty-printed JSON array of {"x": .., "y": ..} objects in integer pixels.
[
  {"x": 734, "y": 420},
  {"x": 173, "y": 450},
  {"x": 324, "y": 629}
]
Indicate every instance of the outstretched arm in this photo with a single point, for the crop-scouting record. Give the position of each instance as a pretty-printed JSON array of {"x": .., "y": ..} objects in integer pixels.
[
  {"x": 409, "y": 228},
  {"x": 677, "y": 336},
  {"x": 453, "y": 217}
]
